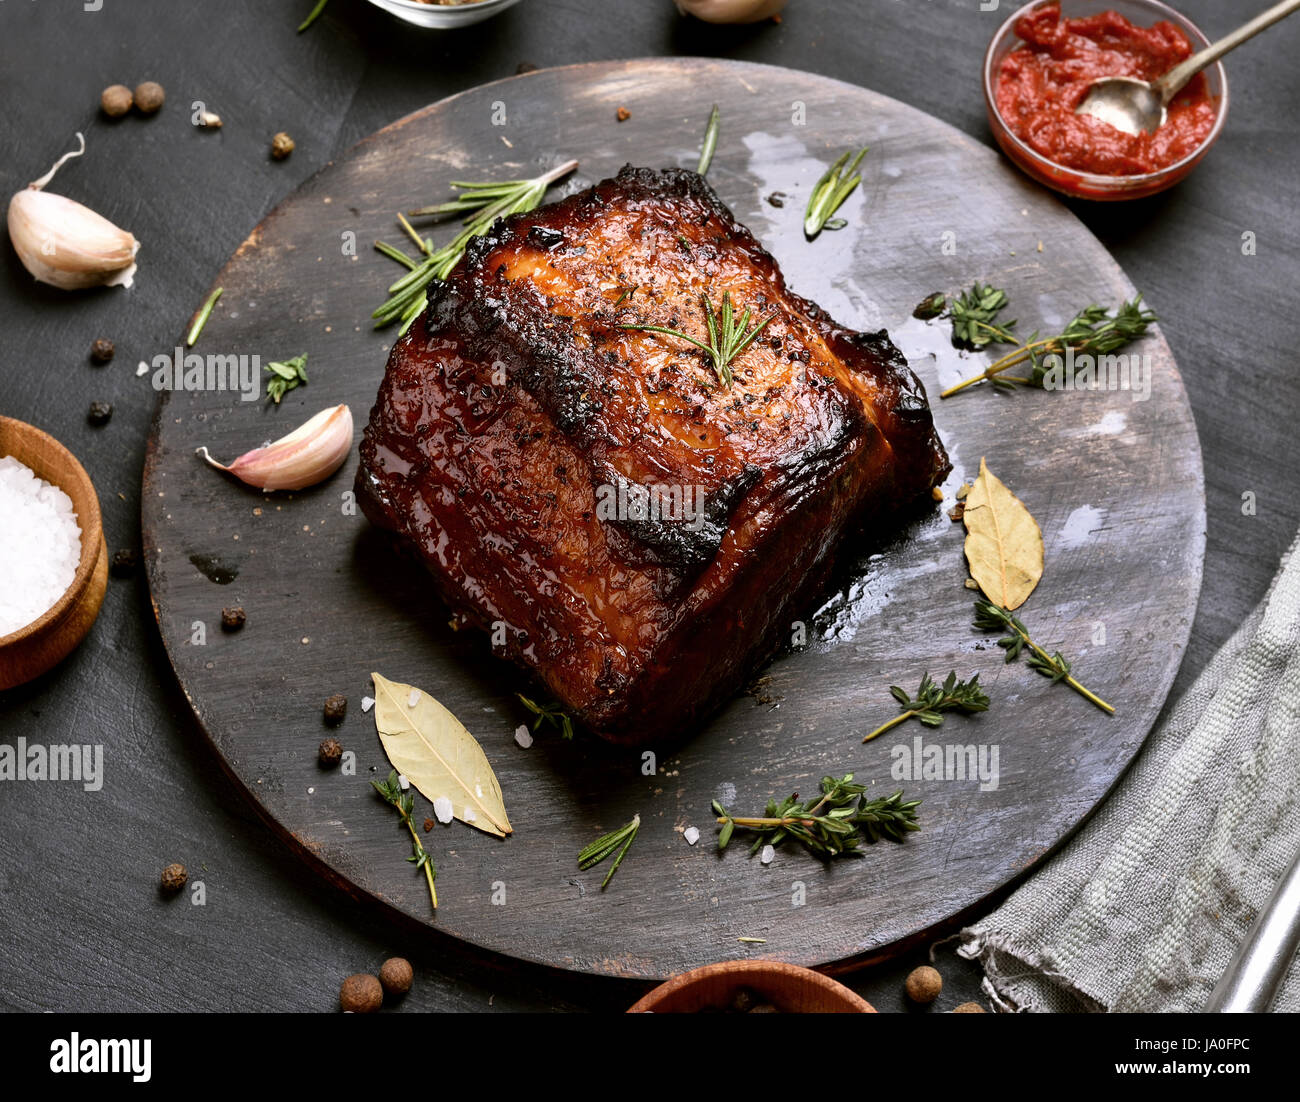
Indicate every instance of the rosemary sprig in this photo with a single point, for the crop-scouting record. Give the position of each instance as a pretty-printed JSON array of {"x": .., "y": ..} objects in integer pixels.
[
  {"x": 990, "y": 617},
  {"x": 834, "y": 823},
  {"x": 728, "y": 337},
  {"x": 201, "y": 318},
  {"x": 836, "y": 185},
  {"x": 549, "y": 714},
  {"x": 482, "y": 203},
  {"x": 710, "y": 141},
  {"x": 404, "y": 802},
  {"x": 285, "y": 376},
  {"x": 932, "y": 700},
  {"x": 602, "y": 847},
  {"x": 1094, "y": 330},
  {"x": 315, "y": 14}
]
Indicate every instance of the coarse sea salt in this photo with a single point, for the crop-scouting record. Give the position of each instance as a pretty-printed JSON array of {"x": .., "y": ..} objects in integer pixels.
[
  {"x": 692, "y": 835},
  {"x": 442, "y": 809},
  {"x": 40, "y": 545}
]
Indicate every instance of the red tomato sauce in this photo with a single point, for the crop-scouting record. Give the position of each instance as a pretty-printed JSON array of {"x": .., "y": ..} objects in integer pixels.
[{"x": 1041, "y": 83}]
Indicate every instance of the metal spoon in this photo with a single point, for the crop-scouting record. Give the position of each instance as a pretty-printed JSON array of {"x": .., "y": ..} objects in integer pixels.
[
  {"x": 1133, "y": 105},
  {"x": 1255, "y": 974}
]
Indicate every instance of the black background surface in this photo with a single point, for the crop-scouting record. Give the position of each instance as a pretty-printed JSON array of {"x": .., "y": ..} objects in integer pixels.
[{"x": 81, "y": 924}]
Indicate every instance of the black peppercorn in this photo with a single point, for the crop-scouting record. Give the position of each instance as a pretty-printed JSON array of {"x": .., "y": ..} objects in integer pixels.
[
  {"x": 331, "y": 752},
  {"x": 99, "y": 413},
  {"x": 336, "y": 707},
  {"x": 396, "y": 976},
  {"x": 101, "y": 351},
  {"x": 124, "y": 562},
  {"x": 174, "y": 877},
  {"x": 232, "y": 619}
]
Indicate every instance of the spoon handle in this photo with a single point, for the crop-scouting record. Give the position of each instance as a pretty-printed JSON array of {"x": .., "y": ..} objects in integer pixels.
[
  {"x": 1172, "y": 82},
  {"x": 1261, "y": 963}
]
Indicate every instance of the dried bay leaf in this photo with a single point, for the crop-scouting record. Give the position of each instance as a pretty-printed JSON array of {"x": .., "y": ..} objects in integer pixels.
[
  {"x": 432, "y": 749},
  {"x": 1004, "y": 546}
]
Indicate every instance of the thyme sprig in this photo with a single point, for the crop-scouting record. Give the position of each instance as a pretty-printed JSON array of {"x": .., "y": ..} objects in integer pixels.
[
  {"x": 990, "y": 617},
  {"x": 834, "y": 823},
  {"x": 404, "y": 802},
  {"x": 933, "y": 700},
  {"x": 710, "y": 143},
  {"x": 1094, "y": 331},
  {"x": 602, "y": 847},
  {"x": 285, "y": 376},
  {"x": 728, "y": 337},
  {"x": 482, "y": 203},
  {"x": 836, "y": 185},
  {"x": 548, "y": 714},
  {"x": 974, "y": 316}
]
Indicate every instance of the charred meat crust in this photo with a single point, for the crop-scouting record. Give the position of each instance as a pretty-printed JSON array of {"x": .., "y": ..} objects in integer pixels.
[{"x": 521, "y": 405}]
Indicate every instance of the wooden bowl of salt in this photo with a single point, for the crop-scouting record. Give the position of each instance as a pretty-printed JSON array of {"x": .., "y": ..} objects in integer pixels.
[{"x": 35, "y": 647}]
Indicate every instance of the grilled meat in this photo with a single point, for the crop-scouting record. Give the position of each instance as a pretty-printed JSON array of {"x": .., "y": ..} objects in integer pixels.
[{"x": 637, "y": 534}]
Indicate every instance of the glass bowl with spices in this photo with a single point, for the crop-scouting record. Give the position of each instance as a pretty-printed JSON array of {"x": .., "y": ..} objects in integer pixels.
[{"x": 1039, "y": 66}]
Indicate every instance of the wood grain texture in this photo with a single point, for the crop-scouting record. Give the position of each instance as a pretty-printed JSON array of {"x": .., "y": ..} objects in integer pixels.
[{"x": 1115, "y": 483}]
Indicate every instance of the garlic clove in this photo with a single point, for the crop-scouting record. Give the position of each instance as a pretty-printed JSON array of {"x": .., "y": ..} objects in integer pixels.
[
  {"x": 65, "y": 244},
  {"x": 308, "y": 455},
  {"x": 730, "y": 11},
  {"x": 68, "y": 245}
]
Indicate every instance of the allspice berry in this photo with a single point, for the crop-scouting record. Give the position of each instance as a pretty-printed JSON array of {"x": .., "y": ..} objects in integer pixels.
[
  {"x": 361, "y": 994},
  {"x": 101, "y": 350},
  {"x": 174, "y": 877},
  {"x": 924, "y": 984},
  {"x": 969, "y": 1008},
  {"x": 396, "y": 975},
  {"x": 330, "y": 752},
  {"x": 149, "y": 97},
  {"x": 281, "y": 146},
  {"x": 336, "y": 707},
  {"x": 115, "y": 100}
]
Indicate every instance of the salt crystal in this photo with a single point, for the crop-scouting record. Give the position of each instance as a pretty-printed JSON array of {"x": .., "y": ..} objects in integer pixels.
[
  {"x": 523, "y": 736},
  {"x": 367, "y": 702},
  {"x": 442, "y": 809},
  {"x": 469, "y": 815},
  {"x": 40, "y": 545},
  {"x": 767, "y": 854},
  {"x": 142, "y": 369},
  {"x": 413, "y": 699},
  {"x": 692, "y": 835},
  {"x": 401, "y": 779}
]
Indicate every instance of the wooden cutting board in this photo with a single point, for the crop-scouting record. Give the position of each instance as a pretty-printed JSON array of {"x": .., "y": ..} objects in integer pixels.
[{"x": 1116, "y": 484}]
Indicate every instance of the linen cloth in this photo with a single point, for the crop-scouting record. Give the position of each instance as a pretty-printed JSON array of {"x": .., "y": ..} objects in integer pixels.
[{"x": 1143, "y": 909}]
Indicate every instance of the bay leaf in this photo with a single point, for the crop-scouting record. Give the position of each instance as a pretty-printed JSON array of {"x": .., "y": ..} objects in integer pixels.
[
  {"x": 1004, "y": 545},
  {"x": 432, "y": 749}
]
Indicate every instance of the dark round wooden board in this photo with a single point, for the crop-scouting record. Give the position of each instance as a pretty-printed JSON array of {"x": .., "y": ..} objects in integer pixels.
[{"x": 1115, "y": 483}]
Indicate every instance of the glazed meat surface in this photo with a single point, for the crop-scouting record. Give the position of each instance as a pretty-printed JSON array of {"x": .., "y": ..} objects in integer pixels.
[{"x": 634, "y": 532}]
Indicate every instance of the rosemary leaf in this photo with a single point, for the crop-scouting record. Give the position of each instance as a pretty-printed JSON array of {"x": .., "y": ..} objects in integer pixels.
[
  {"x": 836, "y": 185},
  {"x": 603, "y": 846},
  {"x": 710, "y": 141}
]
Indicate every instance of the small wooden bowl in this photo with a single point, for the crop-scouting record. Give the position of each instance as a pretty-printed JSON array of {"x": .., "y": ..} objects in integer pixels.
[
  {"x": 788, "y": 987},
  {"x": 30, "y": 651}
]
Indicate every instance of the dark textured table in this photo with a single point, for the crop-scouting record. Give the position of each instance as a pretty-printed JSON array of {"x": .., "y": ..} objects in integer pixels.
[{"x": 82, "y": 924}]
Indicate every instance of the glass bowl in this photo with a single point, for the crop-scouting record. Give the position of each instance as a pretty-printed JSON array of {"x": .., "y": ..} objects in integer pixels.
[
  {"x": 1091, "y": 185},
  {"x": 444, "y": 16}
]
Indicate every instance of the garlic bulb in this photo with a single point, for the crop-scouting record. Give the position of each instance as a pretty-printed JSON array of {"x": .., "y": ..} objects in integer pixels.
[
  {"x": 66, "y": 244},
  {"x": 730, "y": 11},
  {"x": 309, "y": 454}
]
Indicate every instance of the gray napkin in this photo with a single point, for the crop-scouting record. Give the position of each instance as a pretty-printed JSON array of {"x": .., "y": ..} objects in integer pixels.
[{"x": 1143, "y": 909}]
